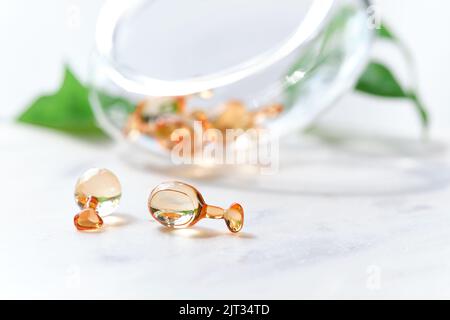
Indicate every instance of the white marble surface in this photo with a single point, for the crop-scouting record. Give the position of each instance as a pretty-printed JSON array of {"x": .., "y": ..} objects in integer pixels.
[
  {"x": 364, "y": 218},
  {"x": 346, "y": 217}
]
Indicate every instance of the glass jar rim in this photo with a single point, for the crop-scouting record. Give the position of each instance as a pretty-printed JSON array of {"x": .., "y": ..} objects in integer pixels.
[{"x": 114, "y": 10}]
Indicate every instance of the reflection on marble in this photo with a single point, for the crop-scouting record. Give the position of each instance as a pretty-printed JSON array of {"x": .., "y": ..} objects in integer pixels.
[{"x": 343, "y": 218}]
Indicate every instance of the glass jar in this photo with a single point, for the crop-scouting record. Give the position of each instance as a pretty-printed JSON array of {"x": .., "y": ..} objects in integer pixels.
[{"x": 162, "y": 63}]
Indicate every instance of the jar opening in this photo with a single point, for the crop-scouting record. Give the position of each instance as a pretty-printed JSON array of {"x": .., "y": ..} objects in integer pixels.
[{"x": 178, "y": 47}]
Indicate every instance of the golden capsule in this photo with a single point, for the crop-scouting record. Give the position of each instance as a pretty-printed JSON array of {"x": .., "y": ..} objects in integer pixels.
[{"x": 178, "y": 205}]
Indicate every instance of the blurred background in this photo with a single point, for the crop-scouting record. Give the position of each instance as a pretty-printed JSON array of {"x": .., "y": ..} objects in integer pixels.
[{"x": 40, "y": 37}]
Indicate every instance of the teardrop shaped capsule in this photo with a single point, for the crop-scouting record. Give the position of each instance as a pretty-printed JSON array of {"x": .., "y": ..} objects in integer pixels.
[{"x": 179, "y": 205}]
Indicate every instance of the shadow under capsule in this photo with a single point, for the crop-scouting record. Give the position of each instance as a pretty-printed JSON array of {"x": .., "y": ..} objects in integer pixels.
[
  {"x": 203, "y": 233},
  {"x": 118, "y": 220}
]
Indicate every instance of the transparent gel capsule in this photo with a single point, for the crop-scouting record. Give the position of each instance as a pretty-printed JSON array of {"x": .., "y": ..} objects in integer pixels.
[
  {"x": 234, "y": 115},
  {"x": 179, "y": 205},
  {"x": 88, "y": 220},
  {"x": 165, "y": 127},
  {"x": 234, "y": 217},
  {"x": 98, "y": 189},
  {"x": 267, "y": 112},
  {"x": 143, "y": 121}
]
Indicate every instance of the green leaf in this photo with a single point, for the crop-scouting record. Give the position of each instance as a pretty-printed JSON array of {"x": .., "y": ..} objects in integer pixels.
[
  {"x": 386, "y": 33},
  {"x": 108, "y": 101},
  {"x": 319, "y": 54},
  {"x": 378, "y": 80},
  {"x": 67, "y": 110},
  {"x": 421, "y": 109}
]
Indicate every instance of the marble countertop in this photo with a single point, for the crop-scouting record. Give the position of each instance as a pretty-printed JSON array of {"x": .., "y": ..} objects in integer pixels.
[{"x": 343, "y": 218}]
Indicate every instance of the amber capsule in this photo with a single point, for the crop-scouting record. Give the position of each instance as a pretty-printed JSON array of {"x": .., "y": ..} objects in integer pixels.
[
  {"x": 148, "y": 111},
  {"x": 97, "y": 193},
  {"x": 88, "y": 220},
  {"x": 178, "y": 205},
  {"x": 234, "y": 115}
]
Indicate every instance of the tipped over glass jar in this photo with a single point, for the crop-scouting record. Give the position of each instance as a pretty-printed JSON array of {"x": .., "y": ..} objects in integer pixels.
[{"x": 162, "y": 66}]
